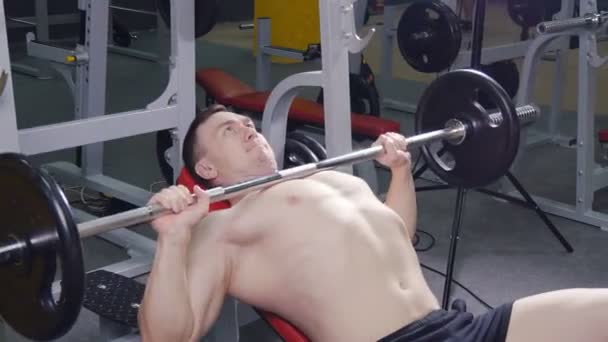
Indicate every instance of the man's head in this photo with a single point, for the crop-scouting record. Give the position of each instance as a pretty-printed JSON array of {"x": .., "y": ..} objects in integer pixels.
[{"x": 223, "y": 148}]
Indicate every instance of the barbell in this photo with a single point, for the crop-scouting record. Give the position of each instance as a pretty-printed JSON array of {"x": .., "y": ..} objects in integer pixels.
[{"x": 38, "y": 226}]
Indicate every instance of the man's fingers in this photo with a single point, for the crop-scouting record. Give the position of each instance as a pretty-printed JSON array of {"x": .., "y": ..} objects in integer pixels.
[
  {"x": 185, "y": 194},
  {"x": 166, "y": 202},
  {"x": 202, "y": 199},
  {"x": 381, "y": 141},
  {"x": 399, "y": 139},
  {"x": 391, "y": 148},
  {"x": 201, "y": 206},
  {"x": 171, "y": 198}
]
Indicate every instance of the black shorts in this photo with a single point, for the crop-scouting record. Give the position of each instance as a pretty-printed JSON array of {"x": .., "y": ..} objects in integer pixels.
[{"x": 455, "y": 326}]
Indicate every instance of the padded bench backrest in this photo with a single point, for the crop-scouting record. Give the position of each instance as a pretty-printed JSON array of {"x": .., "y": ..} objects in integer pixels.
[
  {"x": 232, "y": 92},
  {"x": 220, "y": 87},
  {"x": 283, "y": 328}
]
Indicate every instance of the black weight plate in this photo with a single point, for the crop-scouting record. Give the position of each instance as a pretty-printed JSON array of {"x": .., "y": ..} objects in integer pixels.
[
  {"x": 316, "y": 147},
  {"x": 364, "y": 96},
  {"x": 429, "y": 36},
  {"x": 526, "y": 13},
  {"x": 163, "y": 143},
  {"x": 487, "y": 152},
  {"x": 121, "y": 35},
  {"x": 36, "y": 213},
  {"x": 296, "y": 154},
  {"x": 205, "y": 15},
  {"x": 506, "y": 74},
  {"x": 120, "y": 39}
]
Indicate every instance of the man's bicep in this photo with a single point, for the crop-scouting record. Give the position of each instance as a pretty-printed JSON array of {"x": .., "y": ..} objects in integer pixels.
[{"x": 208, "y": 279}]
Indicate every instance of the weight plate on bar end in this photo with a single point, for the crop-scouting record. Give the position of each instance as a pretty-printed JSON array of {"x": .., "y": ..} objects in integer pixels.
[
  {"x": 36, "y": 213},
  {"x": 429, "y": 36},
  {"x": 488, "y": 151}
]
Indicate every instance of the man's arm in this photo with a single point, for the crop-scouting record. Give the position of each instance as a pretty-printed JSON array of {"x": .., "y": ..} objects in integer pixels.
[
  {"x": 401, "y": 197},
  {"x": 188, "y": 278},
  {"x": 166, "y": 313},
  {"x": 186, "y": 288},
  {"x": 209, "y": 270}
]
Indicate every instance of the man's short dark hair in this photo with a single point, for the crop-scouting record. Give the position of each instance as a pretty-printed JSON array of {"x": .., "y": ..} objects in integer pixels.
[{"x": 190, "y": 154}]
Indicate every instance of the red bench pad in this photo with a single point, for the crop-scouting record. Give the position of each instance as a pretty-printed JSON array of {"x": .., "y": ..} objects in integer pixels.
[{"x": 229, "y": 91}]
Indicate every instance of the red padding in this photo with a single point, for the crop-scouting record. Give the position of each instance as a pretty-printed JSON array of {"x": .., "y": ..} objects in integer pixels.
[
  {"x": 230, "y": 91},
  {"x": 288, "y": 332},
  {"x": 186, "y": 180},
  {"x": 221, "y": 86},
  {"x": 310, "y": 112},
  {"x": 603, "y": 135}
]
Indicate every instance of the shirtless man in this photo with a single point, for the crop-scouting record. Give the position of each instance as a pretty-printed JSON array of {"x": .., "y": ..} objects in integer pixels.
[{"x": 323, "y": 253}]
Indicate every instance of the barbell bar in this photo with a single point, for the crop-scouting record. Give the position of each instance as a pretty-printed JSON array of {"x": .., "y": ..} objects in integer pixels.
[
  {"x": 589, "y": 21},
  {"x": 454, "y": 132}
]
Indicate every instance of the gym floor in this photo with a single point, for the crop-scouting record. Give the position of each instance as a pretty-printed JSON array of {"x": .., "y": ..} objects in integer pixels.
[{"x": 504, "y": 253}]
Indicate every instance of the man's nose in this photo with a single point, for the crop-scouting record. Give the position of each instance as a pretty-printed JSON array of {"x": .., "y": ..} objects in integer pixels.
[{"x": 248, "y": 133}]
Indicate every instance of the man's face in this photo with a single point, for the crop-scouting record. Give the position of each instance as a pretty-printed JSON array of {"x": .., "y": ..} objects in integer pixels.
[{"x": 232, "y": 150}]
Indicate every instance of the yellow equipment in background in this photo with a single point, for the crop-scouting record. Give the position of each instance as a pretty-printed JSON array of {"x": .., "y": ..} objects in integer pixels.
[{"x": 294, "y": 24}]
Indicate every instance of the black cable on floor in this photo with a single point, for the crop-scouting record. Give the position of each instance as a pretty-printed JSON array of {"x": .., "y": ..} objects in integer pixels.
[
  {"x": 417, "y": 239},
  {"x": 459, "y": 284}
]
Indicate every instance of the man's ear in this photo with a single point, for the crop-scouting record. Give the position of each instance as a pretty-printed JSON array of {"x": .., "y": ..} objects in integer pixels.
[{"x": 205, "y": 169}]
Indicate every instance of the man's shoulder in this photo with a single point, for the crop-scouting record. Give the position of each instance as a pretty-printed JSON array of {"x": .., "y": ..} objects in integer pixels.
[{"x": 212, "y": 225}]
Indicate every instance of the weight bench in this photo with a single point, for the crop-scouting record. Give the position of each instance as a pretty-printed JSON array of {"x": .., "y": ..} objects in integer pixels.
[{"x": 223, "y": 88}]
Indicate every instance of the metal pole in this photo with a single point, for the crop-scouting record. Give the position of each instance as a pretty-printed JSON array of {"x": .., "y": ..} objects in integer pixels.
[
  {"x": 478, "y": 25},
  {"x": 133, "y": 10},
  {"x": 460, "y": 199}
]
